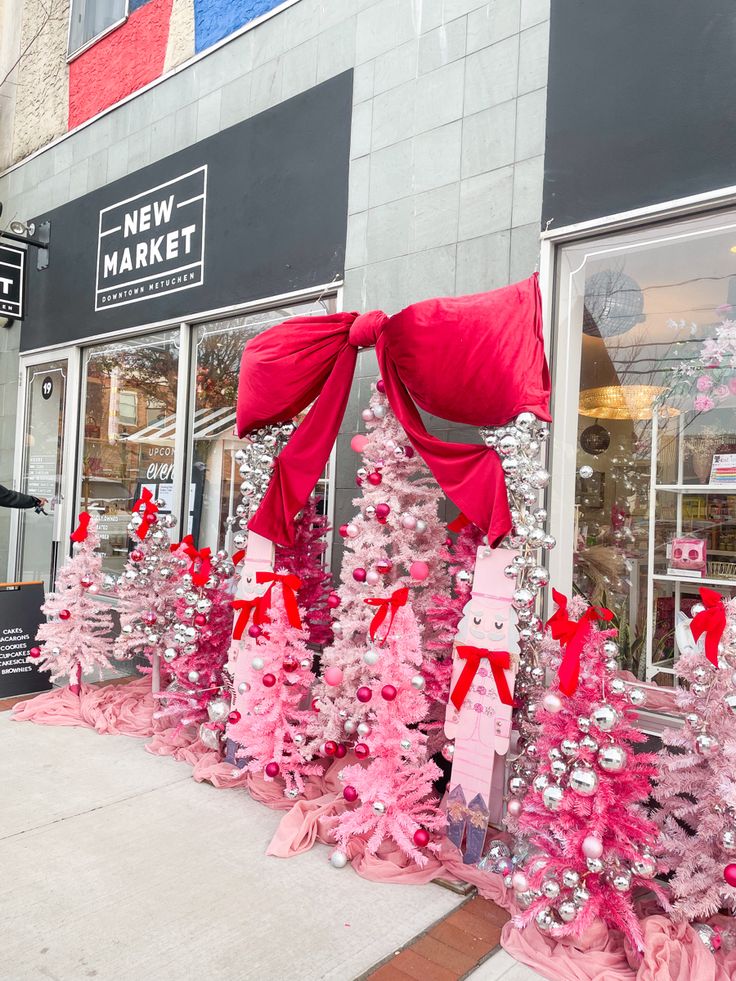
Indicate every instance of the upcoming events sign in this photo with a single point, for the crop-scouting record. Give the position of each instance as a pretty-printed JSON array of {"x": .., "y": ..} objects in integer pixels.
[
  {"x": 12, "y": 281},
  {"x": 153, "y": 243}
]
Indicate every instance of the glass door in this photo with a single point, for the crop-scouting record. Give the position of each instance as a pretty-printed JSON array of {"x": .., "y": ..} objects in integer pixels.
[{"x": 39, "y": 547}]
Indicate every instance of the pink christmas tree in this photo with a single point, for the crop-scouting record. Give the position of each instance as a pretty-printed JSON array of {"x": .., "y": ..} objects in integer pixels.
[
  {"x": 394, "y": 540},
  {"x": 199, "y": 637},
  {"x": 590, "y": 840},
  {"x": 273, "y": 710},
  {"x": 76, "y": 637},
  {"x": 696, "y": 790},
  {"x": 393, "y": 789},
  {"x": 306, "y": 559}
]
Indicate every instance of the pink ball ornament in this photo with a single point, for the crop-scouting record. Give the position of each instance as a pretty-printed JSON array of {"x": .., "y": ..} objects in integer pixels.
[
  {"x": 35, "y": 652},
  {"x": 389, "y": 693},
  {"x": 514, "y": 807},
  {"x": 361, "y": 751},
  {"x": 367, "y": 415},
  {"x": 269, "y": 680},
  {"x": 421, "y": 837},
  {"x": 352, "y": 531},
  {"x": 381, "y": 386},
  {"x": 333, "y": 601},
  {"x": 234, "y": 717},
  {"x": 372, "y": 578},
  {"x": 520, "y": 882},
  {"x": 364, "y": 694},
  {"x": 359, "y": 574},
  {"x": 350, "y": 794},
  {"x": 729, "y": 874},
  {"x": 341, "y": 752},
  {"x": 553, "y": 704},
  {"x": 64, "y": 614},
  {"x": 333, "y": 676},
  {"x": 592, "y": 847},
  {"x": 200, "y": 620},
  {"x": 419, "y": 571},
  {"x": 359, "y": 443},
  {"x": 382, "y": 511},
  {"x": 375, "y": 478},
  {"x": 408, "y": 521},
  {"x": 254, "y": 630},
  {"x": 272, "y": 769},
  {"x": 343, "y": 531}
]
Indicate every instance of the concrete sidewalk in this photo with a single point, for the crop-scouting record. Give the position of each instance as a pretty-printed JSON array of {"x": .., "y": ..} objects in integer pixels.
[{"x": 117, "y": 866}]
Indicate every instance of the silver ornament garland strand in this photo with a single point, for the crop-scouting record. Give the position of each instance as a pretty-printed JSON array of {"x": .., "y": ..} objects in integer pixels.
[{"x": 256, "y": 462}]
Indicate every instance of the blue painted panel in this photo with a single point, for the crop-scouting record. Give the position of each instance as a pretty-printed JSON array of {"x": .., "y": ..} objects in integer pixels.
[
  {"x": 215, "y": 19},
  {"x": 135, "y": 4}
]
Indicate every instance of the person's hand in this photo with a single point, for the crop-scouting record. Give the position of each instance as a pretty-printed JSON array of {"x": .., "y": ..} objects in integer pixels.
[{"x": 42, "y": 501}]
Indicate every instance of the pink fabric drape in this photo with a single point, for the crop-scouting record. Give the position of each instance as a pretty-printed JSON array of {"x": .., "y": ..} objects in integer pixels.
[{"x": 477, "y": 360}]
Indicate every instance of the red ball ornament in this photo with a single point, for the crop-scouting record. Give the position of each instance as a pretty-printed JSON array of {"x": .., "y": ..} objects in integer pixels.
[
  {"x": 350, "y": 794},
  {"x": 290, "y": 664},
  {"x": 64, "y": 614},
  {"x": 35, "y": 652},
  {"x": 448, "y": 542},
  {"x": 389, "y": 693},
  {"x": 359, "y": 574},
  {"x": 729, "y": 874},
  {"x": 254, "y": 630},
  {"x": 421, "y": 838},
  {"x": 358, "y": 442},
  {"x": 343, "y": 529},
  {"x": 315, "y": 705},
  {"x": 409, "y": 452},
  {"x": 419, "y": 571},
  {"x": 137, "y": 555},
  {"x": 272, "y": 769},
  {"x": 364, "y": 694},
  {"x": 361, "y": 751},
  {"x": 358, "y": 482},
  {"x": 269, "y": 680},
  {"x": 330, "y": 748},
  {"x": 333, "y": 601},
  {"x": 375, "y": 478},
  {"x": 342, "y": 751},
  {"x": 384, "y": 566},
  {"x": 381, "y": 386},
  {"x": 382, "y": 511},
  {"x": 200, "y": 620},
  {"x": 234, "y": 717}
]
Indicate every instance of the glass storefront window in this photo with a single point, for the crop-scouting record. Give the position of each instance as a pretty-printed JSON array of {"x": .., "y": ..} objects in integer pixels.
[
  {"x": 645, "y": 390},
  {"x": 215, "y": 481},
  {"x": 129, "y": 406}
]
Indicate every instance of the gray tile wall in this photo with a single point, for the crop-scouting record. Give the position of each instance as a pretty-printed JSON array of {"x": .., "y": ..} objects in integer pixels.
[{"x": 446, "y": 154}]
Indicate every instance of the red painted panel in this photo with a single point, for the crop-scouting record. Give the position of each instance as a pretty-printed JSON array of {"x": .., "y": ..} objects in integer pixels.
[{"x": 120, "y": 63}]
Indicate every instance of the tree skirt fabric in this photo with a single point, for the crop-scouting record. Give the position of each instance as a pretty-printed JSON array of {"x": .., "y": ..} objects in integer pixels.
[{"x": 673, "y": 951}]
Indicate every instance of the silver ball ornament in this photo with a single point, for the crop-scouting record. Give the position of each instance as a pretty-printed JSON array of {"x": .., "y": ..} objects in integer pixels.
[
  {"x": 418, "y": 682},
  {"x": 595, "y": 865},
  {"x": 570, "y": 878},
  {"x": 193, "y": 677},
  {"x": 378, "y": 807},
  {"x": 567, "y": 911},
  {"x": 604, "y": 717},
  {"x": 551, "y": 889},
  {"x": 583, "y": 781},
  {"x": 621, "y": 881},
  {"x": 612, "y": 759},
  {"x": 338, "y": 860},
  {"x": 552, "y": 797}
]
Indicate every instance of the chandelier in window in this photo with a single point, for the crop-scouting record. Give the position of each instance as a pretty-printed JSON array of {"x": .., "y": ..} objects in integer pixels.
[{"x": 622, "y": 402}]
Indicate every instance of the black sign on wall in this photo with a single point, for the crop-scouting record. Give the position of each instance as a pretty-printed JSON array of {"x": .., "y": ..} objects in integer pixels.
[
  {"x": 256, "y": 210},
  {"x": 20, "y": 618},
  {"x": 641, "y": 105},
  {"x": 12, "y": 281}
]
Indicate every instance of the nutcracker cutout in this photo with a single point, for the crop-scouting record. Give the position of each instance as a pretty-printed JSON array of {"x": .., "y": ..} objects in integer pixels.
[{"x": 478, "y": 715}]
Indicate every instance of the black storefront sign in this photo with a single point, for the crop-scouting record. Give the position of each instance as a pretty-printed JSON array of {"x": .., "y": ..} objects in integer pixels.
[
  {"x": 12, "y": 281},
  {"x": 254, "y": 211},
  {"x": 152, "y": 243},
  {"x": 20, "y": 618}
]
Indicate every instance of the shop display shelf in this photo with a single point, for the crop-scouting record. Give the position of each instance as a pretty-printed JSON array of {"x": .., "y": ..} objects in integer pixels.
[
  {"x": 693, "y": 580},
  {"x": 726, "y": 489}
]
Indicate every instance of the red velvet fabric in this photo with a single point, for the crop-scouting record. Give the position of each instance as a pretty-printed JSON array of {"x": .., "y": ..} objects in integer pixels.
[{"x": 472, "y": 359}]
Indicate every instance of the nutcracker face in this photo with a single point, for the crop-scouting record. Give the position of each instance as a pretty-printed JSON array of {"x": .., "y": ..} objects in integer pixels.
[{"x": 485, "y": 623}]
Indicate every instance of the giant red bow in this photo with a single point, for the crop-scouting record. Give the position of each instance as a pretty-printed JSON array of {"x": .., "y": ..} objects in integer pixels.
[
  {"x": 289, "y": 585},
  {"x": 145, "y": 507},
  {"x": 572, "y": 634},
  {"x": 200, "y": 565},
  {"x": 472, "y": 657},
  {"x": 711, "y": 621},
  {"x": 243, "y": 609},
  {"x": 393, "y": 602},
  {"x": 82, "y": 530}
]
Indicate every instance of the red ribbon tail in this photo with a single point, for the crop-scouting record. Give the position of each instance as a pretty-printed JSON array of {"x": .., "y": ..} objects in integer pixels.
[
  {"x": 462, "y": 686},
  {"x": 502, "y": 685}
]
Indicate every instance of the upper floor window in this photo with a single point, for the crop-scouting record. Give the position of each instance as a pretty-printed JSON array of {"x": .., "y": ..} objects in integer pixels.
[{"x": 90, "y": 19}]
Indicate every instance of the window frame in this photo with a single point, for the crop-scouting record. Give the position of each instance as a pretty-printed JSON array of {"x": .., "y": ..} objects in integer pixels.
[{"x": 72, "y": 55}]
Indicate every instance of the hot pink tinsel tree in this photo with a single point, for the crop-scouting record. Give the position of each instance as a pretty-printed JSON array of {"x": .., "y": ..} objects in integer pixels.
[
  {"x": 274, "y": 708},
  {"x": 76, "y": 637},
  {"x": 696, "y": 790},
  {"x": 305, "y": 559},
  {"x": 393, "y": 788},
  {"x": 590, "y": 840},
  {"x": 394, "y": 539}
]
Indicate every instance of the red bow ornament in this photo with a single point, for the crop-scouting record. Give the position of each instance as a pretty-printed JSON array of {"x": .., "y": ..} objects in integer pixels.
[
  {"x": 243, "y": 610},
  {"x": 200, "y": 566},
  {"x": 82, "y": 530},
  {"x": 572, "y": 634},
  {"x": 289, "y": 585},
  {"x": 711, "y": 621},
  {"x": 498, "y": 660},
  {"x": 145, "y": 507},
  {"x": 391, "y": 603}
]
